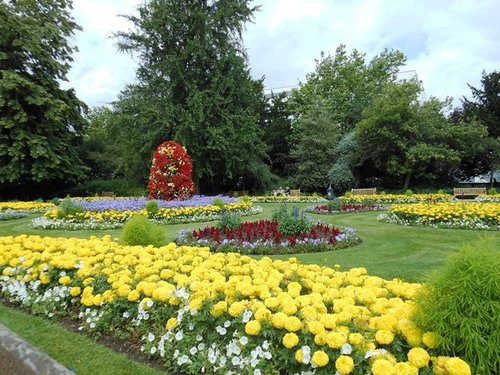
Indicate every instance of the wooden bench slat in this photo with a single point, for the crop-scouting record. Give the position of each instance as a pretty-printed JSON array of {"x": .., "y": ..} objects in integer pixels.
[
  {"x": 468, "y": 191},
  {"x": 367, "y": 191}
]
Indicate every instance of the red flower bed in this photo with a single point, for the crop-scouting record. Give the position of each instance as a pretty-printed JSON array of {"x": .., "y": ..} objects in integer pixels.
[
  {"x": 170, "y": 174},
  {"x": 266, "y": 232},
  {"x": 325, "y": 209}
]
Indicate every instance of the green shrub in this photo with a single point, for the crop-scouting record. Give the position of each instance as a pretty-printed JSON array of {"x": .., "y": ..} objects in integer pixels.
[
  {"x": 140, "y": 231},
  {"x": 347, "y": 194},
  {"x": 334, "y": 205},
  {"x": 408, "y": 192},
  {"x": 68, "y": 207},
  {"x": 492, "y": 191},
  {"x": 461, "y": 302},
  {"x": 229, "y": 220},
  {"x": 292, "y": 223},
  {"x": 219, "y": 203},
  {"x": 440, "y": 191},
  {"x": 152, "y": 207},
  {"x": 245, "y": 199}
]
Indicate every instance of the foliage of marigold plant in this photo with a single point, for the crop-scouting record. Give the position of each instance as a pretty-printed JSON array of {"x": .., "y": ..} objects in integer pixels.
[
  {"x": 170, "y": 174},
  {"x": 199, "y": 312}
]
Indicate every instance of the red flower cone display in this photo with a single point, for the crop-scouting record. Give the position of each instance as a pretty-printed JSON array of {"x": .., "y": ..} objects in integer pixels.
[{"x": 170, "y": 175}]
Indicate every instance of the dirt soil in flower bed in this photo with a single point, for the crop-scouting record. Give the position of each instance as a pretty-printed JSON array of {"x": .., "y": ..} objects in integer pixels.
[{"x": 129, "y": 347}]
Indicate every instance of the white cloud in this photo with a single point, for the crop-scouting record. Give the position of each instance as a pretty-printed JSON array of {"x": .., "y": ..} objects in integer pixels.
[{"x": 448, "y": 43}]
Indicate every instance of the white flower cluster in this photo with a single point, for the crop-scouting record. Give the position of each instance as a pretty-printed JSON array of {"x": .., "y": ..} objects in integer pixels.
[
  {"x": 90, "y": 224},
  {"x": 473, "y": 223},
  {"x": 10, "y": 214}
]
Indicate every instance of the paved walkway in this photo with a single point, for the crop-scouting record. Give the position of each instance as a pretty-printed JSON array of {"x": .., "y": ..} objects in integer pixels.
[{"x": 18, "y": 357}]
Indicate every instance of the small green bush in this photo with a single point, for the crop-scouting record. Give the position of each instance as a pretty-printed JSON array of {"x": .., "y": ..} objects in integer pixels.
[
  {"x": 334, "y": 205},
  {"x": 140, "y": 231},
  {"x": 408, "y": 192},
  {"x": 461, "y": 302},
  {"x": 492, "y": 191},
  {"x": 347, "y": 194},
  {"x": 291, "y": 224},
  {"x": 152, "y": 207},
  {"x": 440, "y": 191},
  {"x": 229, "y": 220},
  {"x": 219, "y": 203},
  {"x": 68, "y": 207}
]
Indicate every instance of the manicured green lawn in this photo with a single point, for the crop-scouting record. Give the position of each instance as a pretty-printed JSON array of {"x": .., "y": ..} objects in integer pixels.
[{"x": 388, "y": 250}]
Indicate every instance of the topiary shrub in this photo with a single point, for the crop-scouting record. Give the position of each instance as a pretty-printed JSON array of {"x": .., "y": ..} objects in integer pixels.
[
  {"x": 492, "y": 191},
  {"x": 152, "y": 207},
  {"x": 140, "y": 231},
  {"x": 293, "y": 223},
  {"x": 461, "y": 302},
  {"x": 409, "y": 192},
  {"x": 170, "y": 174},
  {"x": 218, "y": 202}
]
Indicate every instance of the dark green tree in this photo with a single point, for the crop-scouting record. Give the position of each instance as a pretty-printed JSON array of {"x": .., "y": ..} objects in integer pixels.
[
  {"x": 408, "y": 139},
  {"x": 485, "y": 108},
  {"x": 315, "y": 135},
  {"x": 40, "y": 123},
  {"x": 192, "y": 62},
  {"x": 276, "y": 123}
]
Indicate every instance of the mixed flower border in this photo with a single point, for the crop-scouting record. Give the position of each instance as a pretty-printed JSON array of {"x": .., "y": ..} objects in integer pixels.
[
  {"x": 287, "y": 199},
  {"x": 397, "y": 198},
  {"x": 264, "y": 238},
  {"x": 345, "y": 208},
  {"x": 113, "y": 219},
  {"x": 197, "y": 312},
  {"x": 453, "y": 215}
]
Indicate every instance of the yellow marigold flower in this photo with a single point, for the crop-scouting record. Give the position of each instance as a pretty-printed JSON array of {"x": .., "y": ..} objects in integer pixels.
[
  {"x": 335, "y": 340},
  {"x": 64, "y": 280},
  {"x": 344, "y": 364},
  {"x": 7, "y": 271},
  {"x": 457, "y": 366},
  {"x": 405, "y": 368},
  {"x": 431, "y": 340},
  {"x": 252, "y": 328},
  {"x": 383, "y": 367},
  {"x": 355, "y": 338},
  {"x": 384, "y": 337},
  {"x": 299, "y": 356},
  {"x": 418, "y": 357},
  {"x": 290, "y": 340},
  {"x": 75, "y": 291},
  {"x": 294, "y": 289},
  {"x": 320, "y": 358},
  {"x": 262, "y": 314},
  {"x": 293, "y": 324},
  {"x": 195, "y": 304},
  {"x": 133, "y": 296},
  {"x": 218, "y": 309},
  {"x": 171, "y": 324},
  {"x": 44, "y": 278}
]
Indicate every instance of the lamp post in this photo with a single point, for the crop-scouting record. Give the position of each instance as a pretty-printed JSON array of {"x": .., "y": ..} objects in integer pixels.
[{"x": 329, "y": 193}]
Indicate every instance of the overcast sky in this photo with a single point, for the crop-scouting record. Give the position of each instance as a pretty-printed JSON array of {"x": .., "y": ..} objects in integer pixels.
[{"x": 448, "y": 43}]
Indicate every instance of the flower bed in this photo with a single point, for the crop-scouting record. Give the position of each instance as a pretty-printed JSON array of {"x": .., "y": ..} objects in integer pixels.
[
  {"x": 287, "y": 199},
  {"x": 10, "y": 214},
  {"x": 99, "y": 204},
  {"x": 466, "y": 215},
  {"x": 344, "y": 208},
  {"x": 488, "y": 198},
  {"x": 26, "y": 206},
  {"x": 397, "y": 198},
  {"x": 111, "y": 219},
  {"x": 264, "y": 237},
  {"x": 224, "y": 313}
]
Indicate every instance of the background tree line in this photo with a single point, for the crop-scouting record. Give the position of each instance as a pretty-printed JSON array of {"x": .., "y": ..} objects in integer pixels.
[{"x": 352, "y": 122}]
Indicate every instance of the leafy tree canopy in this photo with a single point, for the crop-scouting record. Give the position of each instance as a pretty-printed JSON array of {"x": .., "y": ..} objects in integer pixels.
[
  {"x": 40, "y": 123},
  {"x": 193, "y": 73}
]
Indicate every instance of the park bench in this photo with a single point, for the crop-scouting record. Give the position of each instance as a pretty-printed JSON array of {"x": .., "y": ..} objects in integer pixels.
[
  {"x": 295, "y": 193},
  {"x": 468, "y": 192},
  {"x": 107, "y": 194},
  {"x": 368, "y": 191}
]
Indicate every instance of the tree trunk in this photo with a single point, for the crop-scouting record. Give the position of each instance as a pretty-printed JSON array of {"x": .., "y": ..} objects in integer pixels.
[{"x": 407, "y": 181}]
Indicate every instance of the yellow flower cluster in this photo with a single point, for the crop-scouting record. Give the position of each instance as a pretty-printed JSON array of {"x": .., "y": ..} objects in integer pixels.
[
  {"x": 321, "y": 305},
  {"x": 446, "y": 212},
  {"x": 397, "y": 198},
  {"x": 25, "y": 206},
  {"x": 163, "y": 213}
]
